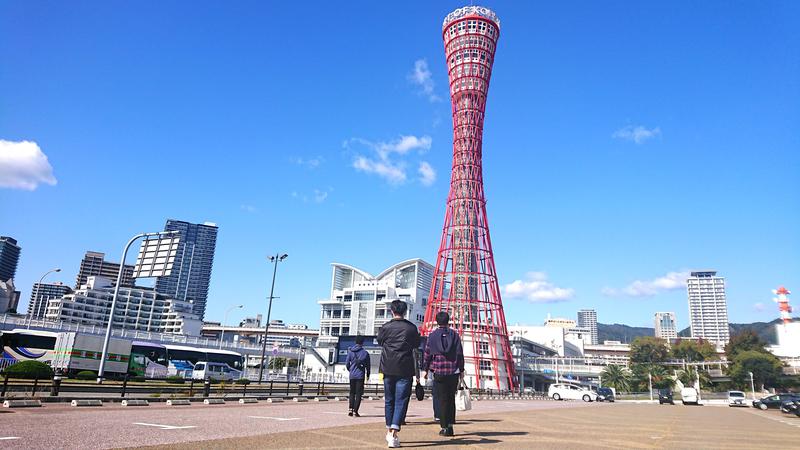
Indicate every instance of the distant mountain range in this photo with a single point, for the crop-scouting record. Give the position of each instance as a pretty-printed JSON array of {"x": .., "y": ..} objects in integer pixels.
[{"x": 625, "y": 333}]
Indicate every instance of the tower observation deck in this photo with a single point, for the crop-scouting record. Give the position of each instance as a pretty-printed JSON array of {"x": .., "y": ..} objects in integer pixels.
[{"x": 465, "y": 280}]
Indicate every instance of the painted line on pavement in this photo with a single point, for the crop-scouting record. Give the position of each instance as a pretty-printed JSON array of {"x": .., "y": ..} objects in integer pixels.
[
  {"x": 280, "y": 419},
  {"x": 8, "y": 438},
  {"x": 165, "y": 427},
  {"x": 792, "y": 423}
]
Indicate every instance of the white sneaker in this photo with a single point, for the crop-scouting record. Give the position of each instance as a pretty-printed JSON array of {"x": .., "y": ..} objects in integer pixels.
[
  {"x": 395, "y": 442},
  {"x": 389, "y": 439}
]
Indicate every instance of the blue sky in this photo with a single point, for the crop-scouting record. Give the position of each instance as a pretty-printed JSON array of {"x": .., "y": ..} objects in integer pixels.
[{"x": 625, "y": 143}]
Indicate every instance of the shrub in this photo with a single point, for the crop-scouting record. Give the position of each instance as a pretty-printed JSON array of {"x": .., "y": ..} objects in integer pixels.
[
  {"x": 243, "y": 381},
  {"x": 174, "y": 379},
  {"x": 138, "y": 379},
  {"x": 29, "y": 370},
  {"x": 86, "y": 375}
]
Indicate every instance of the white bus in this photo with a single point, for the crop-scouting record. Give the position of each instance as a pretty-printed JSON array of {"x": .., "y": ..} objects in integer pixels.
[{"x": 23, "y": 345}]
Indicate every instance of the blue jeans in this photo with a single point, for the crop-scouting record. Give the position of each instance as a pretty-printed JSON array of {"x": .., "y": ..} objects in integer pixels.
[{"x": 396, "y": 391}]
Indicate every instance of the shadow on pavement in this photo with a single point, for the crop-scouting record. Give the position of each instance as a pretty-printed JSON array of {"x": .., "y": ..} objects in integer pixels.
[{"x": 455, "y": 441}]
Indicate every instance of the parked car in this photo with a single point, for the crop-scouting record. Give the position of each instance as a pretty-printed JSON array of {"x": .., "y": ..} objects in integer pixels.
[
  {"x": 215, "y": 371},
  {"x": 774, "y": 401},
  {"x": 570, "y": 392},
  {"x": 790, "y": 406},
  {"x": 737, "y": 398},
  {"x": 689, "y": 396},
  {"x": 665, "y": 396},
  {"x": 605, "y": 394}
]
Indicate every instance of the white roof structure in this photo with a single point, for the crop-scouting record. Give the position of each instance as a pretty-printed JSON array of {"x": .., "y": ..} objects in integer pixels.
[{"x": 480, "y": 11}]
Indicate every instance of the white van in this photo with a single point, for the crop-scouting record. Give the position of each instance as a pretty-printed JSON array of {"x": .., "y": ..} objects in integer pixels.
[
  {"x": 215, "y": 371},
  {"x": 689, "y": 396},
  {"x": 570, "y": 392}
]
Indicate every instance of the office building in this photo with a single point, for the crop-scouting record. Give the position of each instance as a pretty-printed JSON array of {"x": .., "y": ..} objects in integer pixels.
[
  {"x": 708, "y": 307},
  {"x": 191, "y": 271},
  {"x": 94, "y": 264},
  {"x": 665, "y": 326},
  {"x": 587, "y": 318},
  {"x": 9, "y": 257},
  {"x": 359, "y": 302},
  {"x": 250, "y": 332},
  {"x": 9, "y": 297},
  {"x": 43, "y": 293},
  {"x": 137, "y": 308}
]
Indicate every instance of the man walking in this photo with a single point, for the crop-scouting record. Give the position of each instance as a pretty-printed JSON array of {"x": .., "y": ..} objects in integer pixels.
[
  {"x": 444, "y": 356},
  {"x": 398, "y": 339},
  {"x": 358, "y": 364}
]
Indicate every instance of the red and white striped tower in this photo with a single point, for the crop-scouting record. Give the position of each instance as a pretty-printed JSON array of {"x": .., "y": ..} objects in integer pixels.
[{"x": 465, "y": 280}]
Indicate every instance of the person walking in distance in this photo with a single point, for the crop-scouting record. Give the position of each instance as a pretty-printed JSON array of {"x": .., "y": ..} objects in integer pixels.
[
  {"x": 444, "y": 357},
  {"x": 398, "y": 338},
  {"x": 358, "y": 364}
]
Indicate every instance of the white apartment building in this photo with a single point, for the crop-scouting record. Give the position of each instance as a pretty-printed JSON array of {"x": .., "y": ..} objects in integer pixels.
[
  {"x": 708, "y": 307},
  {"x": 137, "y": 308},
  {"x": 359, "y": 302},
  {"x": 587, "y": 318},
  {"x": 665, "y": 325}
]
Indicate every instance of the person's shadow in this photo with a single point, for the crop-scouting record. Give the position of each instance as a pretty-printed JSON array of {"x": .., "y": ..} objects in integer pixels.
[{"x": 481, "y": 438}]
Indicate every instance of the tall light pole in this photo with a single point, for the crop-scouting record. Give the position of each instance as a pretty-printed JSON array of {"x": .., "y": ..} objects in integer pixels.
[
  {"x": 275, "y": 260},
  {"x": 650, "y": 383},
  {"x": 752, "y": 386},
  {"x": 104, "y": 354},
  {"x": 224, "y": 321},
  {"x": 39, "y": 287}
]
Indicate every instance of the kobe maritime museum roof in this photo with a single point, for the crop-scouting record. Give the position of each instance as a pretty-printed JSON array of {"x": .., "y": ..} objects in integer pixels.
[{"x": 481, "y": 11}]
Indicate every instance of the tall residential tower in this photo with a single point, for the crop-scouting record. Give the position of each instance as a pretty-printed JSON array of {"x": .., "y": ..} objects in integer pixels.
[
  {"x": 665, "y": 325},
  {"x": 191, "y": 272},
  {"x": 9, "y": 257},
  {"x": 708, "y": 307},
  {"x": 465, "y": 279},
  {"x": 587, "y": 318}
]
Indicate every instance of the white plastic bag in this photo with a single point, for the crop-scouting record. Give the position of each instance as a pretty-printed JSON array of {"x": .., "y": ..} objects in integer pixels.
[{"x": 463, "y": 399}]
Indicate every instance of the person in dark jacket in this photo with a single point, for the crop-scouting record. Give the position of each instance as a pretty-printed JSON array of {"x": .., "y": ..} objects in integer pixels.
[
  {"x": 444, "y": 357},
  {"x": 358, "y": 364},
  {"x": 398, "y": 339}
]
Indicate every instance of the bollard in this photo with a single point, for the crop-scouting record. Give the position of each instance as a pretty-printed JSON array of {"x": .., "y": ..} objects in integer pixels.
[
  {"x": 300, "y": 388},
  {"x": 5, "y": 385},
  {"x": 206, "y": 388},
  {"x": 270, "y": 387},
  {"x": 124, "y": 386},
  {"x": 287, "y": 385},
  {"x": 191, "y": 388},
  {"x": 317, "y": 387},
  {"x": 323, "y": 388},
  {"x": 35, "y": 384},
  {"x": 56, "y": 385}
]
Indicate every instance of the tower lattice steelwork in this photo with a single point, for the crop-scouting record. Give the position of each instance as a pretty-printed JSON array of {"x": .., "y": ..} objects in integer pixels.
[{"x": 465, "y": 280}]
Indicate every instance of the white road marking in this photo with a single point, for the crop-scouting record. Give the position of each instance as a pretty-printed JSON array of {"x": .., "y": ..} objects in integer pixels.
[
  {"x": 165, "y": 427},
  {"x": 8, "y": 438},
  {"x": 765, "y": 415},
  {"x": 280, "y": 419}
]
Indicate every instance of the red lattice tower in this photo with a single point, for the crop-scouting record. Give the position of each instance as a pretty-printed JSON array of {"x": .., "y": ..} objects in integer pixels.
[{"x": 465, "y": 280}]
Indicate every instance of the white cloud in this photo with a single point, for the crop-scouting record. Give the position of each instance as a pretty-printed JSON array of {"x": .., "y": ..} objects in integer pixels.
[
  {"x": 388, "y": 159},
  {"x": 311, "y": 163},
  {"x": 422, "y": 77},
  {"x": 23, "y": 165},
  {"x": 648, "y": 288},
  {"x": 248, "y": 208},
  {"x": 320, "y": 196},
  {"x": 316, "y": 196},
  {"x": 536, "y": 289},
  {"x": 427, "y": 174},
  {"x": 637, "y": 134}
]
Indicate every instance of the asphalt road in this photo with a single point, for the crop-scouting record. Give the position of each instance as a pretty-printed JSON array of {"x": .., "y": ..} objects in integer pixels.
[{"x": 498, "y": 424}]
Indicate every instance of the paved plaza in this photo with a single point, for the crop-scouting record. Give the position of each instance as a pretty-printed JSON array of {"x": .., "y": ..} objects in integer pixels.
[{"x": 492, "y": 424}]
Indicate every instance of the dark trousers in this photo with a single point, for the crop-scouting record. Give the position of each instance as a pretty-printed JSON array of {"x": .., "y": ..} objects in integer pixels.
[
  {"x": 446, "y": 386},
  {"x": 435, "y": 396},
  {"x": 356, "y": 392}
]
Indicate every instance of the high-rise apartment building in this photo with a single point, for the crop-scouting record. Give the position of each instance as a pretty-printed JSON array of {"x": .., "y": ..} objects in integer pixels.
[
  {"x": 708, "y": 307},
  {"x": 665, "y": 325},
  {"x": 587, "y": 318},
  {"x": 9, "y": 257},
  {"x": 94, "y": 264},
  {"x": 191, "y": 271},
  {"x": 43, "y": 293}
]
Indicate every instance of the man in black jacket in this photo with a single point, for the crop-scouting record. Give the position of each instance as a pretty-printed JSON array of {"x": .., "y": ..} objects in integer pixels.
[{"x": 398, "y": 339}]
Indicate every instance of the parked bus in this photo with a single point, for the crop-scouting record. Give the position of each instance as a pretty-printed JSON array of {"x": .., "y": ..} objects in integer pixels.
[
  {"x": 148, "y": 360},
  {"x": 22, "y": 345},
  {"x": 182, "y": 359}
]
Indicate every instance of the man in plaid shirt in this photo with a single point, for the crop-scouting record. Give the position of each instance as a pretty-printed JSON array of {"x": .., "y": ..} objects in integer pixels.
[{"x": 444, "y": 357}]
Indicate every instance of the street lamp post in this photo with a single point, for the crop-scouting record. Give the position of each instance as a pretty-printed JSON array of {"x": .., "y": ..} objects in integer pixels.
[
  {"x": 104, "y": 354},
  {"x": 650, "y": 383},
  {"x": 752, "y": 386},
  {"x": 275, "y": 260},
  {"x": 30, "y": 314},
  {"x": 224, "y": 321}
]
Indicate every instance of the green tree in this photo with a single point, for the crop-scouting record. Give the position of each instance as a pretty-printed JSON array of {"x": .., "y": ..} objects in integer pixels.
[
  {"x": 618, "y": 377},
  {"x": 649, "y": 350},
  {"x": 277, "y": 363},
  {"x": 641, "y": 377},
  {"x": 747, "y": 340},
  {"x": 689, "y": 376},
  {"x": 766, "y": 368},
  {"x": 694, "y": 350}
]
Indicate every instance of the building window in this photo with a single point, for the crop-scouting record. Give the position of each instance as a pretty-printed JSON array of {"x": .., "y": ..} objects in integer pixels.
[
  {"x": 361, "y": 296},
  {"x": 348, "y": 297},
  {"x": 483, "y": 348},
  {"x": 485, "y": 365}
]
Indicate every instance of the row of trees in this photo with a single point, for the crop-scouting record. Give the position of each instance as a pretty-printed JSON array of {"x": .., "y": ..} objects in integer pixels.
[{"x": 745, "y": 353}]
